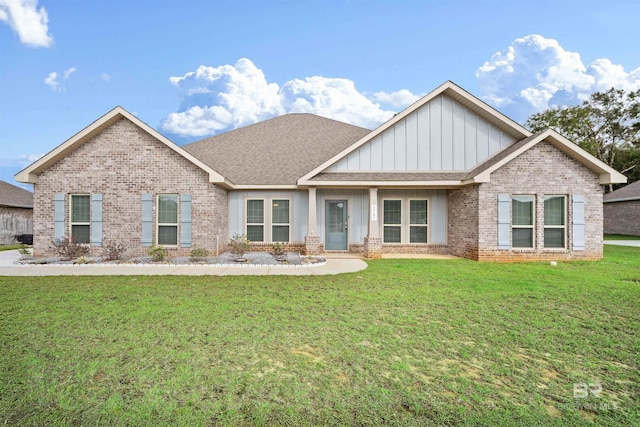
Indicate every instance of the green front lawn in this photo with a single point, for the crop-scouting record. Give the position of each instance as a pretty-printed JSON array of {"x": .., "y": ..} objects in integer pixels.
[
  {"x": 12, "y": 247},
  {"x": 620, "y": 237},
  {"x": 405, "y": 342}
]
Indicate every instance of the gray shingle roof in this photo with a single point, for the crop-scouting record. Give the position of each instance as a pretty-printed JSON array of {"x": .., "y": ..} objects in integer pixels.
[
  {"x": 628, "y": 192},
  {"x": 277, "y": 151},
  {"x": 13, "y": 196}
]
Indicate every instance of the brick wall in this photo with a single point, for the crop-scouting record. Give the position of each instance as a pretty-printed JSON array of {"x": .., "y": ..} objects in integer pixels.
[
  {"x": 463, "y": 222},
  {"x": 622, "y": 218},
  {"x": 122, "y": 162},
  {"x": 542, "y": 170}
]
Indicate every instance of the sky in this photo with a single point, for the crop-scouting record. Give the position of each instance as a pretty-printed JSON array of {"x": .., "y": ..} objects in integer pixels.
[{"x": 195, "y": 68}]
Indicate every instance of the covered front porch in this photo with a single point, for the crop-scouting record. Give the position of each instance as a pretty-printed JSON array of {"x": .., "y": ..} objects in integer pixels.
[{"x": 377, "y": 220}]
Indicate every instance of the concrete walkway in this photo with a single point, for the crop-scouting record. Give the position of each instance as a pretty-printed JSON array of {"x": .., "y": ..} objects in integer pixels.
[
  {"x": 332, "y": 266},
  {"x": 635, "y": 243}
]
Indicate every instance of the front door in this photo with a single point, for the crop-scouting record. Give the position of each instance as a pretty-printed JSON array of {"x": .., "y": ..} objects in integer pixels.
[{"x": 335, "y": 225}]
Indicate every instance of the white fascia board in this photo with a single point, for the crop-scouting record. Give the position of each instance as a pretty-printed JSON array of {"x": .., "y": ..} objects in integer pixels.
[
  {"x": 452, "y": 183},
  {"x": 265, "y": 187}
]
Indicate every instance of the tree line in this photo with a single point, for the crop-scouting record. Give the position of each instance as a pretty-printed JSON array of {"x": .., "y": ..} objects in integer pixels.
[{"x": 606, "y": 125}]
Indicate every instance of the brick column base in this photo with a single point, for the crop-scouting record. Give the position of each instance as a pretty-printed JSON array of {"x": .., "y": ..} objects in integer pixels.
[
  {"x": 312, "y": 244},
  {"x": 372, "y": 247}
]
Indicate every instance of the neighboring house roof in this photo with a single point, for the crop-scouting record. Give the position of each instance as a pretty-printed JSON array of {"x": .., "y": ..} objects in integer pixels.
[
  {"x": 276, "y": 152},
  {"x": 30, "y": 174},
  {"x": 15, "y": 197},
  {"x": 624, "y": 194}
]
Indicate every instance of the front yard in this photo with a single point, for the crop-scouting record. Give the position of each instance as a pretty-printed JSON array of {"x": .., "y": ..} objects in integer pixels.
[{"x": 405, "y": 342}]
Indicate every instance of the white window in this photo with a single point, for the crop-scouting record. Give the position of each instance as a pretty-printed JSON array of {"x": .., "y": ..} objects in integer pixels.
[
  {"x": 255, "y": 220},
  {"x": 80, "y": 217},
  {"x": 522, "y": 221},
  {"x": 418, "y": 222},
  {"x": 264, "y": 224},
  {"x": 555, "y": 221},
  {"x": 167, "y": 233},
  {"x": 405, "y": 221},
  {"x": 392, "y": 221},
  {"x": 280, "y": 220}
]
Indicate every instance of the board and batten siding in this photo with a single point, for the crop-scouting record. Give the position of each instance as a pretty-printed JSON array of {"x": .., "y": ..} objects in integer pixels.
[
  {"x": 299, "y": 213},
  {"x": 440, "y": 136},
  {"x": 358, "y": 210}
]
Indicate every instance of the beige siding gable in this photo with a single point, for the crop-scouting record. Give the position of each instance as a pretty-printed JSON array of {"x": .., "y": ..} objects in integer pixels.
[{"x": 441, "y": 135}]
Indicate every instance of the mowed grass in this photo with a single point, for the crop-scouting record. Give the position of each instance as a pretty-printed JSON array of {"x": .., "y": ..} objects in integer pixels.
[
  {"x": 620, "y": 237},
  {"x": 405, "y": 342}
]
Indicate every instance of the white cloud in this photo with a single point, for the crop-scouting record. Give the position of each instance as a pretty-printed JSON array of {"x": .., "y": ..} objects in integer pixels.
[
  {"x": 54, "y": 82},
  {"x": 21, "y": 160},
  {"x": 535, "y": 73},
  {"x": 230, "y": 96},
  {"x": 399, "y": 99},
  {"x": 106, "y": 77},
  {"x": 29, "y": 22},
  {"x": 68, "y": 72}
]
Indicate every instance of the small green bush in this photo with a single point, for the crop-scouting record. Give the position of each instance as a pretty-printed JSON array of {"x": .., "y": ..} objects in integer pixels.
[
  {"x": 158, "y": 253},
  {"x": 277, "y": 249},
  {"x": 24, "y": 251},
  {"x": 239, "y": 244},
  {"x": 198, "y": 254}
]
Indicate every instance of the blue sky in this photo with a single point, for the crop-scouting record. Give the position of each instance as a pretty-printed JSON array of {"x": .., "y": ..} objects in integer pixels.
[{"x": 195, "y": 68}]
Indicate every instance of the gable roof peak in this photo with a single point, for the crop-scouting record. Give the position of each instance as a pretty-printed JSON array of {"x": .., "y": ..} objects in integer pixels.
[{"x": 31, "y": 172}]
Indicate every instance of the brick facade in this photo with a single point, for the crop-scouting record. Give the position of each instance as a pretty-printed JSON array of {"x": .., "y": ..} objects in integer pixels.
[
  {"x": 622, "y": 217},
  {"x": 122, "y": 162},
  {"x": 542, "y": 170}
]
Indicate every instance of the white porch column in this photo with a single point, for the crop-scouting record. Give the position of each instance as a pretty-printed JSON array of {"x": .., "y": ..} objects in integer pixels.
[
  {"x": 311, "y": 231},
  {"x": 373, "y": 242},
  {"x": 312, "y": 240},
  {"x": 374, "y": 224}
]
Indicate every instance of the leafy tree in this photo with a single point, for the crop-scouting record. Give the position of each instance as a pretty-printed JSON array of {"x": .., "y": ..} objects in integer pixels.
[{"x": 607, "y": 125}]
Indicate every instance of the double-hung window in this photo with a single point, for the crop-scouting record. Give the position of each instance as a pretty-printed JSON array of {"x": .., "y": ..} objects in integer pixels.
[
  {"x": 80, "y": 217},
  {"x": 167, "y": 219},
  {"x": 418, "y": 221},
  {"x": 280, "y": 220},
  {"x": 522, "y": 220},
  {"x": 392, "y": 221},
  {"x": 255, "y": 220},
  {"x": 555, "y": 221},
  {"x": 405, "y": 221}
]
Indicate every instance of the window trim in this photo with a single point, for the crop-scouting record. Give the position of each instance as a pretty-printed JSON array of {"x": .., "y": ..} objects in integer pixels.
[
  {"x": 72, "y": 223},
  {"x": 400, "y": 226},
  {"x": 267, "y": 218},
  {"x": 564, "y": 226},
  {"x": 264, "y": 218},
  {"x": 405, "y": 220},
  {"x": 167, "y": 224},
  {"x": 409, "y": 224},
  {"x": 532, "y": 226},
  {"x": 280, "y": 224}
]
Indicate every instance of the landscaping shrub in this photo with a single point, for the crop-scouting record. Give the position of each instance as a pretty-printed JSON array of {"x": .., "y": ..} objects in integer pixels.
[
  {"x": 198, "y": 254},
  {"x": 69, "y": 248},
  {"x": 158, "y": 253},
  {"x": 113, "y": 251}
]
